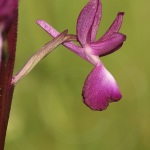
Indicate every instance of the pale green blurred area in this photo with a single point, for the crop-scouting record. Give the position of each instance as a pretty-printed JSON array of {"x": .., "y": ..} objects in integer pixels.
[{"x": 47, "y": 111}]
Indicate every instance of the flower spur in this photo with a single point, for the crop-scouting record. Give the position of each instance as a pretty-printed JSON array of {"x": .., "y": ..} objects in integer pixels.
[{"x": 100, "y": 87}]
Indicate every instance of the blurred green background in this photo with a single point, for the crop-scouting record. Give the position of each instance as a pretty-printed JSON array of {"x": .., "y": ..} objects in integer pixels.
[{"x": 47, "y": 110}]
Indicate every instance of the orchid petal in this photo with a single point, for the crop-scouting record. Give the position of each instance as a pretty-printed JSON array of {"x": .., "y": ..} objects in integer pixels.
[
  {"x": 70, "y": 45},
  {"x": 85, "y": 21},
  {"x": 96, "y": 23},
  {"x": 115, "y": 27},
  {"x": 106, "y": 47},
  {"x": 100, "y": 88}
]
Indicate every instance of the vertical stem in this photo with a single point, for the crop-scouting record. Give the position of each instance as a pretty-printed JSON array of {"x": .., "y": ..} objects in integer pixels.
[
  {"x": 5, "y": 104},
  {"x": 6, "y": 72}
]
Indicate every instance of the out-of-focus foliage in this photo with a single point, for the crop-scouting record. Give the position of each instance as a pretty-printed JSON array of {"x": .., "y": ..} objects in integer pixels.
[{"x": 47, "y": 110}]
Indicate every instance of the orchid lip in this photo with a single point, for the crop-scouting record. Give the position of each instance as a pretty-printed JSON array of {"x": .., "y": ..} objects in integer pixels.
[{"x": 100, "y": 88}]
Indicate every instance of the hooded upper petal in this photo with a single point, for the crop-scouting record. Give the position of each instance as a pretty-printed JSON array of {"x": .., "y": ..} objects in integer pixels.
[
  {"x": 96, "y": 22},
  {"x": 88, "y": 17},
  {"x": 100, "y": 88}
]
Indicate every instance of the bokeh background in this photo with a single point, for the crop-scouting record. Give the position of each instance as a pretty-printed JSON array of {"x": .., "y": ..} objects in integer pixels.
[{"x": 47, "y": 110}]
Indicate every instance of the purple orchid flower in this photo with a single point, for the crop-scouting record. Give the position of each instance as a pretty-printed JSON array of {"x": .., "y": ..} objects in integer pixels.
[{"x": 100, "y": 87}]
